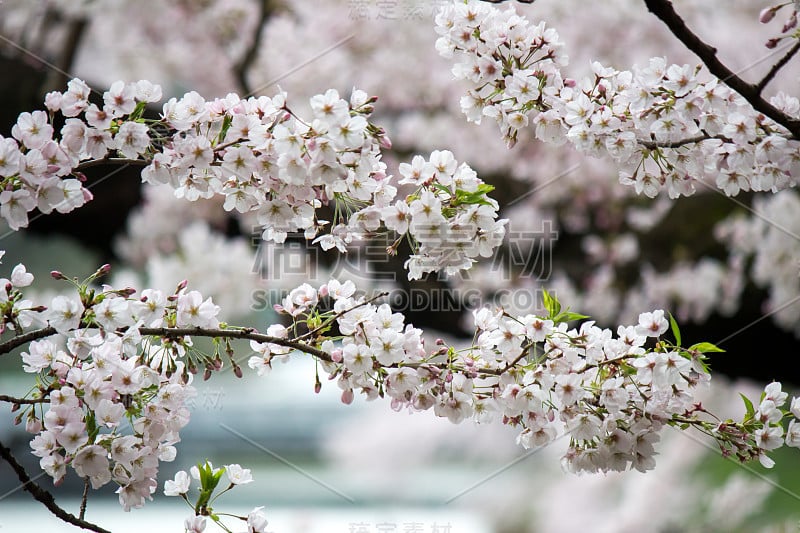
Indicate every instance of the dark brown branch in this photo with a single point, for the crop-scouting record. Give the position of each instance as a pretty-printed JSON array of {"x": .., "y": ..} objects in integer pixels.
[
  {"x": 44, "y": 497},
  {"x": 244, "y": 333},
  {"x": 25, "y": 338},
  {"x": 248, "y": 334},
  {"x": 23, "y": 401},
  {"x": 652, "y": 145},
  {"x": 265, "y": 11},
  {"x": 777, "y": 66},
  {"x": 111, "y": 161},
  {"x": 664, "y": 10},
  {"x": 171, "y": 333}
]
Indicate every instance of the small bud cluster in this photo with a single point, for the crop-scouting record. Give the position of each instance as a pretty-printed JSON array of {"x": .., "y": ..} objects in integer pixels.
[{"x": 768, "y": 13}]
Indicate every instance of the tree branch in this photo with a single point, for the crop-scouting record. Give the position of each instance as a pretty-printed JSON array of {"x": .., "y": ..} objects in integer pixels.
[
  {"x": 233, "y": 333},
  {"x": 84, "y": 498},
  {"x": 652, "y": 145},
  {"x": 44, "y": 497},
  {"x": 23, "y": 401},
  {"x": 247, "y": 333},
  {"x": 665, "y": 12},
  {"x": 25, "y": 338},
  {"x": 265, "y": 10},
  {"x": 111, "y": 161},
  {"x": 777, "y": 66}
]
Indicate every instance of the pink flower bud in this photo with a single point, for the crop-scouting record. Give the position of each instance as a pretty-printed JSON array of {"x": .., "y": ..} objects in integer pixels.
[
  {"x": 55, "y": 274},
  {"x": 237, "y": 371},
  {"x": 791, "y": 23},
  {"x": 347, "y": 397},
  {"x": 33, "y": 425},
  {"x": 323, "y": 291},
  {"x": 336, "y": 356},
  {"x": 772, "y": 43},
  {"x": 767, "y": 14},
  {"x": 182, "y": 285},
  {"x": 317, "y": 387}
]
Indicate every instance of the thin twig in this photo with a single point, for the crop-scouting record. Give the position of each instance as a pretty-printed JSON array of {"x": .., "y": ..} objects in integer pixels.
[
  {"x": 84, "y": 498},
  {"x": 652, "y": 145},
  {"x": 339, "y": 315},
  {"x": 665, "y": 12},
  {"x": 23, "y": 401},
  {"x": 233, "y": 333},
  {"x": 777, "y": 66},
  {"x": 248, "y": 333},
  {"x": 111, "y": 161},
  {"x": 43, "y": 496}
]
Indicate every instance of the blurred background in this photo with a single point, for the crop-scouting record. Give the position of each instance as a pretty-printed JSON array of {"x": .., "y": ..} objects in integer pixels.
[{"x": 726, "y": 268}]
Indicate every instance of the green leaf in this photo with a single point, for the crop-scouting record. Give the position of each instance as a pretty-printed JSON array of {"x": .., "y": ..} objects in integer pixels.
[
  {"x": 137, "y": 111},
  {"x": 226, "y": 124},
  {"x": 209, "y": 478},
  {"x": 748, "y": 405},
  {"x": 551, "y": 303},
  {"x": 477, "y": 197},
  {"x": 676, "y": 332},
  {"x": 704, "y": 347},
  {"x": 444, "y": 188},
  {"x": 91, "y": 427},
  {"x": 568, "y": 316}
]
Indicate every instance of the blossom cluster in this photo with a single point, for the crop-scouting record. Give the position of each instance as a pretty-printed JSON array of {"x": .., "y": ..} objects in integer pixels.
[
  {"x": 612, "y": 394},
  {"x": 98, "y": 376},
  {"x": 663, "y": 125},
  {"x": 120, "y": 358},
  {"x": 257, "y": 154},
  {"x": 449, "y": 219}
]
